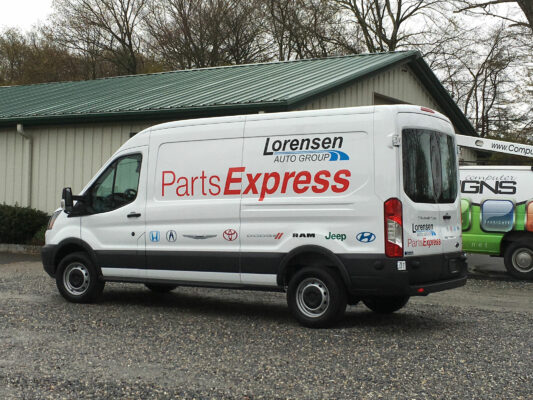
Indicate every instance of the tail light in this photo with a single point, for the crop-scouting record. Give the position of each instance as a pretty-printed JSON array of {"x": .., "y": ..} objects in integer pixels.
[{"x": 393, "y": 228}]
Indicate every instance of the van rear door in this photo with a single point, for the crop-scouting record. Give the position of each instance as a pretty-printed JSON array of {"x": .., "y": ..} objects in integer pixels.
[{"x": 430, "y": 198}]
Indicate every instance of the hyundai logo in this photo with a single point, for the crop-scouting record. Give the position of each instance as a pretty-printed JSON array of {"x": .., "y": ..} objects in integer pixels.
[{"x": 365, "y": 237}]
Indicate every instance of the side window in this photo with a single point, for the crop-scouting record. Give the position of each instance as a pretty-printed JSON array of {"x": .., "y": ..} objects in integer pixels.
[{"x": 117, "y": 186}]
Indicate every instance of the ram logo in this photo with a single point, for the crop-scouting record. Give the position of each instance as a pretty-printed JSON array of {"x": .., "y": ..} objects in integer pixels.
[{"x": 303, "y": 235}]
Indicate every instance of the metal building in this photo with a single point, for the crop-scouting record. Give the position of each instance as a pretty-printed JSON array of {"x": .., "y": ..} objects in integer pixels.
[{"x": 59, "y": 134}]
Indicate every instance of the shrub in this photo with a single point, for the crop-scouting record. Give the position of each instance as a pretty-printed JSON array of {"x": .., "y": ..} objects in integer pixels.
[
  {"x": 38, "y": 238},
  {"x": 20, "y": 224}
]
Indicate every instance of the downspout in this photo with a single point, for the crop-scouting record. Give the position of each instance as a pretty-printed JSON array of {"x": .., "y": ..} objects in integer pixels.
[{"x": 29, "y": 138}]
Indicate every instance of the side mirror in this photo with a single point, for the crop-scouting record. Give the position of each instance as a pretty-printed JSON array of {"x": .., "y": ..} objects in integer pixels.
[{"x": 66, "y": 200}]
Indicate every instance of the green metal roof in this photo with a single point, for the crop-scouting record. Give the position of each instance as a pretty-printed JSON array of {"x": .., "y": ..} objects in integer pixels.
[{"x": 272, "y": 86}]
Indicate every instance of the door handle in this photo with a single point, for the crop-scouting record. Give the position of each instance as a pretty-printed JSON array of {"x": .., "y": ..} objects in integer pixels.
[
  {"x": 134, "y": 215},
  {"x": 446, "y": 217}
]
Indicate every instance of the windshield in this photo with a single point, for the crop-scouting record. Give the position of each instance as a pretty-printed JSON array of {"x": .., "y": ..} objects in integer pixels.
[{"x": 429, "y": 166}]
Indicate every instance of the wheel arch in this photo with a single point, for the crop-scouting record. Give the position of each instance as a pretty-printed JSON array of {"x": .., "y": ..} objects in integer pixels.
[
  {"x": 310, "y": 255},
  {"x": 73, "y": 245},
  {"x": 513, "y": 237}
]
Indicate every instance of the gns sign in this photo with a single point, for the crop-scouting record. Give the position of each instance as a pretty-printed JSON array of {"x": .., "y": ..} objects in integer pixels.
[{"x": 496, "y": 187}]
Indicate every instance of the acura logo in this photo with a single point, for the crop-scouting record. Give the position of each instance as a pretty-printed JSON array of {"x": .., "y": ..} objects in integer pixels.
[{"x": 365, "y": 237}]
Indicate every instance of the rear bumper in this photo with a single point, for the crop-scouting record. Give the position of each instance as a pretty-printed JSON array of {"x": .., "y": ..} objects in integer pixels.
[
  {"x": 432, "y": 287},
  {"x": 410, "y": 276},
  {"x": 48, "y": 253}
]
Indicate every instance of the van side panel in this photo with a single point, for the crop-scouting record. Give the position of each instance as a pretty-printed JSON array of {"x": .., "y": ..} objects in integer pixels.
[
  {"x": 192, "y": 220},
  {"x": 495, "y": 201},
  {"x": 309, "y": 181}
]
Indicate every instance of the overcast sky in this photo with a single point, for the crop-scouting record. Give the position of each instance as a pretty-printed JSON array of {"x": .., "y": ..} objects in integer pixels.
[{"x": 23, "y": 13}]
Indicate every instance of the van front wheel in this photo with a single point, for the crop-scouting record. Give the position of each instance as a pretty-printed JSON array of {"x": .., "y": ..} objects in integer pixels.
[
  {"x": 386, "y": 304},
  {"x": 316, "y": 297},
  {"x": 518, "y": 260},
  {"x": 77, "y": 280}
]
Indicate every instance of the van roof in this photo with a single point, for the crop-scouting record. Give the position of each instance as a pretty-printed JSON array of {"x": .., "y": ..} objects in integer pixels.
[{"x": 294, "y": 114}]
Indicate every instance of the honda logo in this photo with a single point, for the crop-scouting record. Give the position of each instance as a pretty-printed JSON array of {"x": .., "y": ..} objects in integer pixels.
[
  {"x": 365, "y": 237},
  {"x": 154, "y": 236}
]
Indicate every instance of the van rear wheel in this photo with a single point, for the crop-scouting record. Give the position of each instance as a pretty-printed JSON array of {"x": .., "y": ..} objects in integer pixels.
[
  {"x": 316, "y": 297},
  {"x": 77, "y": 279},
  {"x": 386, "y": 305},
  {"x": 518, "y": 259},
  {"x": 160, "y": 288}
]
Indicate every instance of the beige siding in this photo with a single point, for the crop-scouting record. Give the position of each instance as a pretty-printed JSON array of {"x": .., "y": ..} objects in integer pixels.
[
  {"x": 399, "y": 83},
  {"x": 63, "y": 155},
  {"x": 13, "y": 167}
]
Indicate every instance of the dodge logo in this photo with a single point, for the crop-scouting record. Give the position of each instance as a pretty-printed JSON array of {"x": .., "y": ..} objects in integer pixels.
[{"x": 230, "y": 235}]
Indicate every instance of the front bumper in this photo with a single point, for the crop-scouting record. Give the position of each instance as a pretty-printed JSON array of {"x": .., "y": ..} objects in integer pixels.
[{"x": 48, "y": 253}]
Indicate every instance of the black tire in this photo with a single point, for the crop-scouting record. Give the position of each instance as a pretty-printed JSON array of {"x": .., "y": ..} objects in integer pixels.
[
  {"x": 160, "y": 287},
  {"x": 386, "y": 304},
  {"x": 518, "y": 259},
  {"x": 77, "y": 279},
  {"x": 316, "y": 297}
]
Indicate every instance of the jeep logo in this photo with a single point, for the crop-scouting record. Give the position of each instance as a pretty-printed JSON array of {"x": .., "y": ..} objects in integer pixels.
[{"x": 336, "y": 236}]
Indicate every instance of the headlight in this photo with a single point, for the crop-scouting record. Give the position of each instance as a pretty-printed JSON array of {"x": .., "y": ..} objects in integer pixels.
[{"x": 53, "y": 219}]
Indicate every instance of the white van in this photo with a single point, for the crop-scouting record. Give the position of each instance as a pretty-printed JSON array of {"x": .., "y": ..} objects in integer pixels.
[{"x": 332, "y": 206}]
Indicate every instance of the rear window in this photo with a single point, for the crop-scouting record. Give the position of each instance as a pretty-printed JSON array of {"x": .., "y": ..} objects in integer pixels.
[{"x": 429, "y": 166}]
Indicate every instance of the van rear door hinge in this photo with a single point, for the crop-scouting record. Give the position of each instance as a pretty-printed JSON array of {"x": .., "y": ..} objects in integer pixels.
[{"x": 396, "y": 140}]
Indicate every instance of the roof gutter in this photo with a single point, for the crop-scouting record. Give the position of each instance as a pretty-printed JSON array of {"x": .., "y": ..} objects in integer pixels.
[
  {"x": 151, "y": 115},
  {"x": 28, "y": 139}
]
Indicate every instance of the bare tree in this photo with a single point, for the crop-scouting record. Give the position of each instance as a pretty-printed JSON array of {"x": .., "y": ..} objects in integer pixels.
[
  {"x": 13, "y": 54},
  {"x": 309, "y": 29},
  {"x": 384, "y": 23},
  {"x": 103, "y": 28},
  {"x": 489, "y": 8},
  {"x": 206, "y": 33},
  {"x": 475, "y": 67},
  {"x": 35, "y": 57}
]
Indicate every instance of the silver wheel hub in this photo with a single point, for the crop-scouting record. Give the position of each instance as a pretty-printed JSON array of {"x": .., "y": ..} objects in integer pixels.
[
  {"x": 523, "y": 260},
  {"x": 312, "y": 297},
  {"x": 76, "y": 279}
]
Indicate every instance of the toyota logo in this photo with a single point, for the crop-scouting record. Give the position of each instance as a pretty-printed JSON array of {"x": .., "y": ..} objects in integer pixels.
[
  {"x": 365, "y": 237},
  {"x": 230, "y": 235}
]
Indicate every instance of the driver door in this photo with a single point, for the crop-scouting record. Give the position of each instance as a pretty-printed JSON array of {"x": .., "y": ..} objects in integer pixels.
[{"x": 115, "y": 224}]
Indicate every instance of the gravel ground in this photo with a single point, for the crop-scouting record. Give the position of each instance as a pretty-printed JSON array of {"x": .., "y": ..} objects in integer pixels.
[{"x": 473, "y": 342}]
